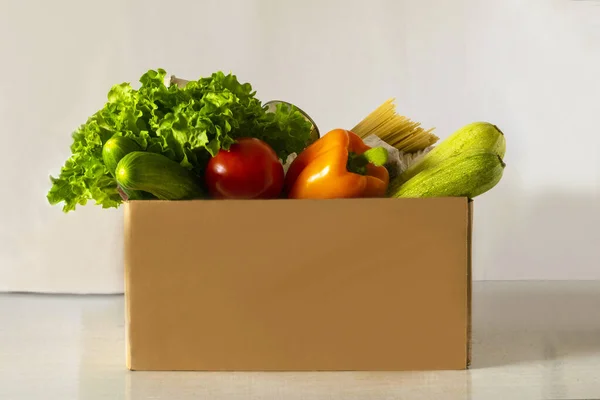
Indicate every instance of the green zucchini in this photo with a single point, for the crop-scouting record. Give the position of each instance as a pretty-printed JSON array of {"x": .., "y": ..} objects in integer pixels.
[
  {"x": 115, "y": 149},
  {"x": 466, "y": 175},
  {"x": 158, "y": 175},
  {"x": 477, "y": 135}
]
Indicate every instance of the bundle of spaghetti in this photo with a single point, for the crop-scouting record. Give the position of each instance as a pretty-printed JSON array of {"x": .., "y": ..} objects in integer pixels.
[{"x": 397, "y": 130}]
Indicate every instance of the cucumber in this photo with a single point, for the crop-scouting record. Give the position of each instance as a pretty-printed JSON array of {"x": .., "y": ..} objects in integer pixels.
[
  {"x": 466, "y": 175},
  {"x": 134, "y": 194},
  {"x": 158, "y": 175},
  {"x": 477, "y": 135},
  {"x": 115, "y": 149}
]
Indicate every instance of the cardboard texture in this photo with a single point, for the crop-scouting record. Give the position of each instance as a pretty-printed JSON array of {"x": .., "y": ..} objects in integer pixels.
[{"x": 298, "y": 285}]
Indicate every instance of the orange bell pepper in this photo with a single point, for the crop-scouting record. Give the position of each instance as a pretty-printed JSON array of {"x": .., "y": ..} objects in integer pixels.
[{"x": 338, "y": 165}]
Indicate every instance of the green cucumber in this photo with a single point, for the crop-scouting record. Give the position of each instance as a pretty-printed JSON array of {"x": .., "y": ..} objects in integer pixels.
[
  {"x": 134, "y": 194},
  {"x": 477, "y": 135},
  {"x": 115, "y": 149},
  {"x": 466, "y": 175},
  {"x": 158, "y": 175}
]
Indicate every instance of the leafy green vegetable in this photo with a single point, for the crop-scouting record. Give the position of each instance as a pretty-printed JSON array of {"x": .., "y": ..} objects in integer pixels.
[{"x": 188, "y": 125}]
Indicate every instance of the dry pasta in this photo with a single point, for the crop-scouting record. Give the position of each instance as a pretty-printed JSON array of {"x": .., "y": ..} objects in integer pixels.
[{"x": 395, "y": 129}]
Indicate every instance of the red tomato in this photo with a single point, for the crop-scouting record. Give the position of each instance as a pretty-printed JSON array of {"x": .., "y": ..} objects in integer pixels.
[{"x": 249, "y": 170}]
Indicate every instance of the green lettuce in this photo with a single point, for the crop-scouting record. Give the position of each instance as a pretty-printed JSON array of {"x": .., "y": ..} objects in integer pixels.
[{"x": 188, "y": 125}]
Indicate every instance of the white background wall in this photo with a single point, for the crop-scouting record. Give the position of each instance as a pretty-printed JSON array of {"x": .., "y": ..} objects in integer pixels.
[{"x": 530, "y": 66}]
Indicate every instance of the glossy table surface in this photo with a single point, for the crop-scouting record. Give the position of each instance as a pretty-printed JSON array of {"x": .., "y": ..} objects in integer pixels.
[{"x": 531, "y": 340}]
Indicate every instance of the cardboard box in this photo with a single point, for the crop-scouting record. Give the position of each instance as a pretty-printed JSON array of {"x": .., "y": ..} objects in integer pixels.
[{"x": 298, "y": 285}]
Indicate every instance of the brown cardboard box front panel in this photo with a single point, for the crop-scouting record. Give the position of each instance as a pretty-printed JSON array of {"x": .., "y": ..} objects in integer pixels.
[{"x": 361, "y": 284}]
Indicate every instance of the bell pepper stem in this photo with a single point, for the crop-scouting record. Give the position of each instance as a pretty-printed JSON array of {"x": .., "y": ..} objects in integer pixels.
[{"x": 377, "y": 156}]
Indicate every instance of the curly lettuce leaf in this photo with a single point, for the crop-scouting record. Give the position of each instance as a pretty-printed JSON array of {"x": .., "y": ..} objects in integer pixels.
[
  {"x": 286, "y": 130},
  {"x": 188, "y": 125},
  {"x": 84, "y": 176}
]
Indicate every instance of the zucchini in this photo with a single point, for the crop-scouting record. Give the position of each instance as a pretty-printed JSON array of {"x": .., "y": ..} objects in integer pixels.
[
  {"x": 476, "y": 135},
  {"x": 115, "y": 149},
  {"x": 466, "y": 175},
  {"x": 158, "y": 175}
]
